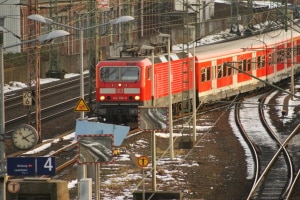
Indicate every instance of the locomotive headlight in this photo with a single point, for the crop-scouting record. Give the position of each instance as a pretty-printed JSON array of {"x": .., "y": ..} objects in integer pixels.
[
  {"x": 119, "y": 84},
  {"x": 102, "y": 98},
  {"x": 137, "y": 98}
]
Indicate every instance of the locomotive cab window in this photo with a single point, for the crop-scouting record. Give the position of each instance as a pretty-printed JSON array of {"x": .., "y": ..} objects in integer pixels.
[{"x": 119, "y": 74}]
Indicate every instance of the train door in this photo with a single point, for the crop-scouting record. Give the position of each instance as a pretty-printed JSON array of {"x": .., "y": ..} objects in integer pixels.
[
  {"x": 224, "y": 73},
  {"x": 244, "y": 64},
  {"x": 261, "y": 69}
]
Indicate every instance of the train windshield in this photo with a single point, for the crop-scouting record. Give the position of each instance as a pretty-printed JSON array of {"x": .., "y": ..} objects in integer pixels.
[{"x": 119, "y": 74}]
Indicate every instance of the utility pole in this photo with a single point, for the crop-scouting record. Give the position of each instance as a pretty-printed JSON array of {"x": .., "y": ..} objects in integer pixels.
[
  {"x": 54, "y": 61},
  {"x": 33, "y": 63},
  {"x": 2, "y": 132},
  {"x": 235, "y": 17},
  {"x": 93, "y": 49},
  {"x": 186, "y": 104}
]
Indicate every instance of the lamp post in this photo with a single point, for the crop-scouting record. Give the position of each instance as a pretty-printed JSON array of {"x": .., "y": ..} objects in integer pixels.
[
  {"x": 170, "y": 96},
  {"x": 42, "y": 40},
  {"x": 194, "y": 90},
  {"x": 153, "y": 138},
  {"x": 39, "y": 18},
  {"x": 194, "y": 138},
  {"x": 292, "y": 58}
]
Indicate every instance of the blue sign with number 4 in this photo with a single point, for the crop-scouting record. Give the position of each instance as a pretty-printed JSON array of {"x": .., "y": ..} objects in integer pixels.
[{"x": 31, "y": 166}]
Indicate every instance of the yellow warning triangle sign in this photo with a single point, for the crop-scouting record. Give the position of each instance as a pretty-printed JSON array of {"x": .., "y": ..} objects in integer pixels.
[{"x": 81, "y": 106}]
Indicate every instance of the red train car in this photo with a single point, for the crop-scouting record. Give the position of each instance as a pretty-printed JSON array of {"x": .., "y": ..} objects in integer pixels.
[
  {"x": 222, "y": 70},
  {"x": 268, "y": 59},
  {"x": 123, "y": 84}
]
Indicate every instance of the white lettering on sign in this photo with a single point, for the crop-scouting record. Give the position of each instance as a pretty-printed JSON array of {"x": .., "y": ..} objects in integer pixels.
[
  {"x": 27, "y": 98},
  {"x": 48, "y": 164}
]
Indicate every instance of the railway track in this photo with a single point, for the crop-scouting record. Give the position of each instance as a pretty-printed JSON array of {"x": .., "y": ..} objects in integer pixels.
[
  {"x": 58, "y": 98},
  {"x": 274, "y": 168}
]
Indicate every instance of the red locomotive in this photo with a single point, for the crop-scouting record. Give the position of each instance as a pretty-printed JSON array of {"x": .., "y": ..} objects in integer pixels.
[{"x": 124, "y": 83}]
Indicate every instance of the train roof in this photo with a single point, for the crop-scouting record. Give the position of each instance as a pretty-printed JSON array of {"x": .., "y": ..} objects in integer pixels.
[
  {"x": 126, "y": 58},
  {"x": 253, "y": 43},
  {"x": 158, "y": 58}
]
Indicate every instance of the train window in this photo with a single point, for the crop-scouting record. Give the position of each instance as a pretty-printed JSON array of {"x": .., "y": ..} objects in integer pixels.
[
  {"x": 229, "y": 70},
  {"x": 259, "y": 62},
  {"x": 240, "y": 66},
  {"x": 263, "y": 61},
  {"x": 289, "y": 53},
  {"x": 119, "y": 73},
  {"x": 270, "y": 57},
  {"x": 129, "y": 73},
  {"x": 280, "y": 56},
  {"x": 203, "y": 74},
  {"x": 244, "y": 65},
  {"x": 224, "y": 70},
  {"x": 108, "y": 73},
  {"x": 219, "y": 71},
  {"x": 249, "y": 65},
  {"x": 208, "y": 73}
]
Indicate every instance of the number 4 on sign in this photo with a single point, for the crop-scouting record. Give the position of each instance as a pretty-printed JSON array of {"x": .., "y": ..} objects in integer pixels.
[{"x": 81, "y": 106}]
